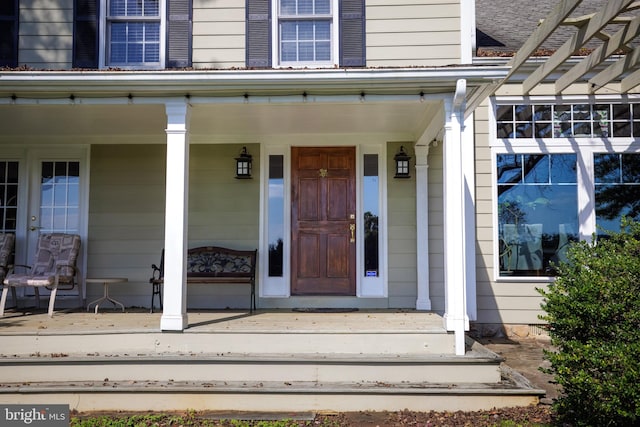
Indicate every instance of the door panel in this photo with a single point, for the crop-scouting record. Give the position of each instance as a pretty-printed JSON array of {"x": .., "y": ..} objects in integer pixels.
[{"x": 323, "y": 212}]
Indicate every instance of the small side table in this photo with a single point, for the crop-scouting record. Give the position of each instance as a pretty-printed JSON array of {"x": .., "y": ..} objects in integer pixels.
[{"x": 106, "y": 281}]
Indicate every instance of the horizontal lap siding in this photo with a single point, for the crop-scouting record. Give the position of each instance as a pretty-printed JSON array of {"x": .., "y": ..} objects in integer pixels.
[
  {"x": 45, "y": 34},
  {"x": 218, "y": 34},
  {"x": 395, "y": 37},
  {"x": 498, "y": 301},
  {"x": 126, "y": 216},
  {"x": 402, "y": 235},
  {"x": 436, "y": 229}
]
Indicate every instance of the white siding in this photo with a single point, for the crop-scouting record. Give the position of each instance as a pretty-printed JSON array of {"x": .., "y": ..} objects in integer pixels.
[
  {"x": 413, "y": 33},
  {"x": 45, "y": 34}
]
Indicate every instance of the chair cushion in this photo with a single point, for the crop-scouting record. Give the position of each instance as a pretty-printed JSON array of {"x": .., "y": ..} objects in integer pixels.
[{"x": 29, "y": 280}]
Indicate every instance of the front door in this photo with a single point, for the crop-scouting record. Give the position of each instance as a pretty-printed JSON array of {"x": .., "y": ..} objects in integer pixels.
[{"x": 323, "y": 212}]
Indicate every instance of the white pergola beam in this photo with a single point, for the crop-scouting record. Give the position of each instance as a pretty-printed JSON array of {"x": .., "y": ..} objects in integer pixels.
[
  {"x": 559, "y": 13},
  {"x": 615, "y": 42},
  {"x": 630, "y": 82},
  {"x": 600, "y": 20},
  {"x": 614, "y": 70}
]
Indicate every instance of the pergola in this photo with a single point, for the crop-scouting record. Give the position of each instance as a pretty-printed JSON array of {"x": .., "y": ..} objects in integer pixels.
[{"x": 614, "y": 60}]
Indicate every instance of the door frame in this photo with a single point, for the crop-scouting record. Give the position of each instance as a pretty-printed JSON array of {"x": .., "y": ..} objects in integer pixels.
[
  {"x": 280, "y": 287},
  {"x": 29, "y": 192}
]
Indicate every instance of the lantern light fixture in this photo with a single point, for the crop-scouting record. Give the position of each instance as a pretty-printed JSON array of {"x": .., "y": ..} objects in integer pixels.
[
  {"x": 402, "y": 164},
  {"x": 243, "y": 165}
]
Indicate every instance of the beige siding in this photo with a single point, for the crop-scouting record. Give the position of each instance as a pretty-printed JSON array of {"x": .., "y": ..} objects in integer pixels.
[
  {"x": 497, "y": 301},
  {"x": 436, "y": 229},
  {"x": 126, "y": 216},
  {"x": 45, "y": 33},
  {"x": 218, "y": 34},
  {"x": 395, "y": 37},
  {"x": 402, "y": 235}
]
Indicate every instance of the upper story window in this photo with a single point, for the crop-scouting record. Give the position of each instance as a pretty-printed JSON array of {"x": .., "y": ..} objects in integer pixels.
[
  {"x": 133, "y": 33},
  {"x": 9, "y": 33},
  {"x": 305, "y": 32}
]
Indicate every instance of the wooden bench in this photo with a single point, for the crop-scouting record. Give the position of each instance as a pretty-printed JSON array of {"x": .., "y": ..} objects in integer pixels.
[{"x": 212, "y": 264}]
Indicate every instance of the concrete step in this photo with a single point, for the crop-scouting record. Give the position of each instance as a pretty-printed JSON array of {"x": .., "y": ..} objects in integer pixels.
[
  {"x": 301, "y": 342},
  {"x": 473, "y": 368},
  {"x": 274, "y": 396}
]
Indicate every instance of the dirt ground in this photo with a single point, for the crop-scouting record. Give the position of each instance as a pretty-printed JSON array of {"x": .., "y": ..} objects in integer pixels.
[{"x": 525, "y": 416}]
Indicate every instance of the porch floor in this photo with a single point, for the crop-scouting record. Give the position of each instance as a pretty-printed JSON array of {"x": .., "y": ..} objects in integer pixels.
[{"x": 28, "y": 322}]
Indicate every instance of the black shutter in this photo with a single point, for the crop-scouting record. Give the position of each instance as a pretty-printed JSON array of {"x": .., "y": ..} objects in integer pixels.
[
  {"x": 258, "y": 33},
  {"x": 9, "y": 33},
  {"x": 85, "y": 33},
  {"x": 179, "y": 29},
  {"x": 352, "y": 33}
]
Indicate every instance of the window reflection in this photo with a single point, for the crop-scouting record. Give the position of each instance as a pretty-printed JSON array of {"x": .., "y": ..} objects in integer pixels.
[
  {"x": 275, "y": 229},
  {"x": 59, "y": 196},
  {"x": 537, "y": 211},
  {"x": 617, "y": 190},
  {"x": 371, "y": 186}
]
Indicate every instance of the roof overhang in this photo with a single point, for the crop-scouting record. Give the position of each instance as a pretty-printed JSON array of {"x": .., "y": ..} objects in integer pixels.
[
  {"x": 615, "y": 60},
  {"x": 229, "y": 106}
]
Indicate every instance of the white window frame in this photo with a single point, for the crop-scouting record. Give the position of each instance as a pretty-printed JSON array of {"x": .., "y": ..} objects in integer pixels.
[
  {"x": 275, "y": 36},
  {"x": 104, "y": 39},
  {"x": 584, "y": 148}
]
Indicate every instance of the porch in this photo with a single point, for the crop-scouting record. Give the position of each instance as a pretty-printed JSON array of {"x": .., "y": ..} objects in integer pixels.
[{"x": 269, "y": 361}]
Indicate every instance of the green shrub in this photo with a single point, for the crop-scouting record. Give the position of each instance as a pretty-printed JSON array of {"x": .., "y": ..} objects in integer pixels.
[{"x": 593, "y": 316}]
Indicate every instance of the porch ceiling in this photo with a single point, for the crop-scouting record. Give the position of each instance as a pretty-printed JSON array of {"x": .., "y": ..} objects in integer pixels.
[{"x": 212, "y": 122}]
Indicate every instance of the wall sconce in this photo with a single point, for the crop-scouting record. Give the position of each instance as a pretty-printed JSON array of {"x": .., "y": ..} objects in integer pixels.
[
  {"x": 402, "y": 164},
  {"x": 243, "y": 165}
]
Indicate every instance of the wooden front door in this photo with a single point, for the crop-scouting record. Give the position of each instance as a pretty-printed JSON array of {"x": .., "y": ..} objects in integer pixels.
[{"x": 323, "y": 208}]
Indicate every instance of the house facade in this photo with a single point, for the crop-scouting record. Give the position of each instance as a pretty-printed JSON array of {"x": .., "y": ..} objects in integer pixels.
[{"x": 122, "y": 121}]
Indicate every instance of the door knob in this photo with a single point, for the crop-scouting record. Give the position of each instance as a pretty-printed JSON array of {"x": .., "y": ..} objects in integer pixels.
[{"x": 352, "y": 227}]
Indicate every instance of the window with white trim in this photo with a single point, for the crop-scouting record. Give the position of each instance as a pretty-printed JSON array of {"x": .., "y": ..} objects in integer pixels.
[
  {"x": 305, "y": 32},
  {"x": 134, "y": 33},
  {"x": 560, "y": 172}
]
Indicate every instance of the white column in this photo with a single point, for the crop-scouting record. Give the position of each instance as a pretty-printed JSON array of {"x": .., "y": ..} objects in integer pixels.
[
  {"x": 174, "y": 314},
  {"x": 455, "y": 253},
  {"x": 422, "y": 226}
]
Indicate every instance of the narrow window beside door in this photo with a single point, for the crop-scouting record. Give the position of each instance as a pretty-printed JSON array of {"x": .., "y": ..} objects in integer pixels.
[
  {"x": 371, "y": 188},
  {"x": 276, "y": 215}
]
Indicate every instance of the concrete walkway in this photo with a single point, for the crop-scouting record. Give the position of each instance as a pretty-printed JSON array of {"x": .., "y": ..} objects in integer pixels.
[{"x": 525, "y": 355}]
